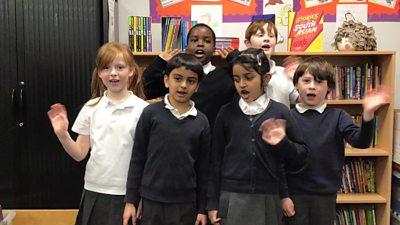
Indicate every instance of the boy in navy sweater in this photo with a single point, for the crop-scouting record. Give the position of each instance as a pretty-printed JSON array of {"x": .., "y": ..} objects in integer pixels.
[
  {"x": 250, "y": 145},
  {"x": 170, "y": 157},
  {"x": 313, "y": 190},
  {"x": 216, "y": 87}
]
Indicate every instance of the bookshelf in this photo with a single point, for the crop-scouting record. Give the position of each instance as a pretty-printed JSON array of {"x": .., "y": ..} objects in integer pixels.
[{"x": 382, "y": 152}]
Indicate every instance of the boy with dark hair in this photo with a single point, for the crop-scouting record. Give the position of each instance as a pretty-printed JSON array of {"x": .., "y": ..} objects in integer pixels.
[
  {"x": 313, "y": 190},
  {"x": 216, "y": 88},
  {"x": 170, "y": 157}
]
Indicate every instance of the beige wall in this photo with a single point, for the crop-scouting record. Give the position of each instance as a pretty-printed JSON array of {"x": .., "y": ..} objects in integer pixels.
[{"x": 386, "y": 41}]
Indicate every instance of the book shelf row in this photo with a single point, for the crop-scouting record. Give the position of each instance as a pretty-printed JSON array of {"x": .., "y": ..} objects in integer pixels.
[
  {"x": 355, "y": 215},
  {"x": 353, "y": 82},
  {"x": 358, "y": 176},
  {"x": 139, "y": 33},
  {"x": 174, "y": 32}
]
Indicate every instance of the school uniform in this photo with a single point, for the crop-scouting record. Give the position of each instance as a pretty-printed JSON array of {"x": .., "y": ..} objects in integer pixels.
[
  {"x": 215, "y": 90},
  {"x": 111, "y": 129},
  {"x": 247, "y": 178},
  {"x": 169, "y": 165},
  {"x": 314, "y": 189}
]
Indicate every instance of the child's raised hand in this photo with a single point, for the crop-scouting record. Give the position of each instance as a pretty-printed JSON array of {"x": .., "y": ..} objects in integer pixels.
[
  {"x": 373, "y": 100},
  {"x": 224, "y": 51},
  {"x": 212, "y": 215},
  {"x": 273, "y": 130},
  {"x": 58, "y": 118},
  {"x": 167, "y": 55},
  {"x": 291, "y": 63},
  {"x": 129, "y": 212}
]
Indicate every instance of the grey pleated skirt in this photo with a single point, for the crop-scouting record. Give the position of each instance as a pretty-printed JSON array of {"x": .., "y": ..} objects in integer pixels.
[
  {"x": 100, "y": 209},
  {"x": 249, "y": 209}
]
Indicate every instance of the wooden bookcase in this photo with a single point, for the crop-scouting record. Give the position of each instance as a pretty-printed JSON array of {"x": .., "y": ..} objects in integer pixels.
[{"x": 383, "y": 150}]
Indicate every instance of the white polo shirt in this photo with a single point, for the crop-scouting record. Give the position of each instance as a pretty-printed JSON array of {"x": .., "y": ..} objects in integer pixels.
[{"x": 112, "y": 131}]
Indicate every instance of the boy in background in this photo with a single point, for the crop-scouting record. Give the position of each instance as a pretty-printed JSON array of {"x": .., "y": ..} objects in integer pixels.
[
  {"x": 170, "y": 157},
  {"x": 313, "y": 190}
]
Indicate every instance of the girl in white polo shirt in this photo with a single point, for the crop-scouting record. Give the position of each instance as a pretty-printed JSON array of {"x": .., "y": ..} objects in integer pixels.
[{"x": 106, "y": 125}]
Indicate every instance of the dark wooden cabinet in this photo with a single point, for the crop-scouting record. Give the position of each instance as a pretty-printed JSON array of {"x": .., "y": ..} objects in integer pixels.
[{"x": 47, "y": 53}]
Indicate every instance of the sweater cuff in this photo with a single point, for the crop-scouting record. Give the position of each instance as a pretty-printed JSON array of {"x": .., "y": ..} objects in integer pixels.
[
  {"x": 283, "y": 146},
  {"x": 284, "y": 193},
  {"x": 212, "y": 204},
  {"x": 132, "y": 196}
]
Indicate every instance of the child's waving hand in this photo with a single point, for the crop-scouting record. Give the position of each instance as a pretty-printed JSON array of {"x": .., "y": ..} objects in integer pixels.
[
  {"x": 373, "y": 100},
  {"x": 273, "y": 130}
]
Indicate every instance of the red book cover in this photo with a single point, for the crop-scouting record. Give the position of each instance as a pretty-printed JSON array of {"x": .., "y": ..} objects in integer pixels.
[{"x": 305, "y": 31}]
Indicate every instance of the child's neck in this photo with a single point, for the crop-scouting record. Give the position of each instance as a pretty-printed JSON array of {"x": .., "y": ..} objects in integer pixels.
[
  {"x": 118, "y": 98},
  {"x": 182, "y": 107}
]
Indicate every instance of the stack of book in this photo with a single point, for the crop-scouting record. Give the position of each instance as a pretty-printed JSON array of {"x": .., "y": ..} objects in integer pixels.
[
  {"x": 171, "y": 33},
  {"x": 355, "y": 215},
  {"x": 358, "y": 176},
  {"x": 139, "y": 31},
  {"x": 353, "y": 82}
]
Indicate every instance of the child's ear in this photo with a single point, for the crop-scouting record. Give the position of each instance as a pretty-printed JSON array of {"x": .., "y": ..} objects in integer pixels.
[
  {"x": 166, "y": 78},
  {"x": 267, "y": 78},
  {"x": 131, "y": 73},
  {"x": 247, "y": 43}
]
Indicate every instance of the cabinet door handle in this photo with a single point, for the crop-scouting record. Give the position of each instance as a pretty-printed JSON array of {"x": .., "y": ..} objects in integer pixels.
[{"x": 20, "y": 104}]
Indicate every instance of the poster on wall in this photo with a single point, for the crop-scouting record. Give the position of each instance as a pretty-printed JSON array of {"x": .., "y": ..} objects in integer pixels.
[
  {"x": 233, "y": 10},
  {"x": 210, "y": 15},
  {"x": 355, "y": 12},
  {"x": 280, "y": 8},
  {"x": 378, "y": 10},
  {"x": 386, "y": 3}
]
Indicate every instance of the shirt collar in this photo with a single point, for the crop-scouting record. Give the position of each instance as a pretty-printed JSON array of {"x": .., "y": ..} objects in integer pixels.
[
  {"x": 300, "y": 107},
  {"x": 192, "y": 111},
  {"x": 208, "y": 68},
  {"x": 255, "y": 107},
  {"x": 272, "y": 66},
  {"x": 130, "y": 102}
]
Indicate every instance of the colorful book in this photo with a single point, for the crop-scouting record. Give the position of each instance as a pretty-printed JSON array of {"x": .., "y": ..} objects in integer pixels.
[
  {"x": 305, "y": 31},
  {"x": 221, "y": 42},
  {"x": 139, "y": 33}
]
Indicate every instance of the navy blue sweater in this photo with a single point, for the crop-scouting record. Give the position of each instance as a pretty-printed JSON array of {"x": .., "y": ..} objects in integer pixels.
[
  {"x": 325, "y": 134},
  {"x": 242, "y": 162},
  {"x": 170, "y": 158},
  {"x": 216, "y": 88}
]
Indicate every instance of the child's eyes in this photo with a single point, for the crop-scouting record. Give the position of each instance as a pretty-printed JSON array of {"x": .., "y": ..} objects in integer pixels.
[
  {"x": 118, "y": 68},
  {"x": 249, "y": 78},
  {"x": 178, "y": 78},
  {"x": 192, "y": 81}
]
